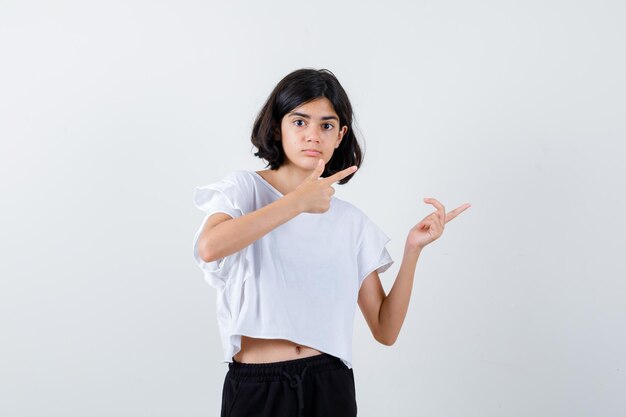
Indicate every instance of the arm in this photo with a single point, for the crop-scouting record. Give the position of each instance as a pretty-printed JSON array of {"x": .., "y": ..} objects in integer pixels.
[
  {"x": 222, "y": 235},
  {"x": 385, "y": 314},
  {"x": 395, "y": 305}
]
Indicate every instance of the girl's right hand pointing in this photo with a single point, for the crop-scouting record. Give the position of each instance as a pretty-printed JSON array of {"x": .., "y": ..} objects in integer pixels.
[{"x": 314, "y": 193}]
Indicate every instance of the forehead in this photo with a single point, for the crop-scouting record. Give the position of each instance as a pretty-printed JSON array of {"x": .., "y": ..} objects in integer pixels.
[{"x": 316, "y": 108}]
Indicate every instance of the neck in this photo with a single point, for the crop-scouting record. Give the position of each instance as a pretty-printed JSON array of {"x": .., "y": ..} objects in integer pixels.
[{"x": 290, "y": 176}]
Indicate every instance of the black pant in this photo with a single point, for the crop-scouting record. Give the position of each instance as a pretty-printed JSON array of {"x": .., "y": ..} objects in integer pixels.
[{"x": 315, "y": 386}]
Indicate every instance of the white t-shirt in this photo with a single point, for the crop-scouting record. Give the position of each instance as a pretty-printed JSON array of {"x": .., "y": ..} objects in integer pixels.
[{"x": 300, "y": 281}]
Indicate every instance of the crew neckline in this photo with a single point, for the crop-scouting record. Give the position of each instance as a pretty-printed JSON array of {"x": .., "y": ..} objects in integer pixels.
[{"x": 270, "y": 186}]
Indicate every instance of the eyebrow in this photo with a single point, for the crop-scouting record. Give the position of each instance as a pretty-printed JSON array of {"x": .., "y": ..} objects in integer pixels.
[{"x": 306, "y": 116}]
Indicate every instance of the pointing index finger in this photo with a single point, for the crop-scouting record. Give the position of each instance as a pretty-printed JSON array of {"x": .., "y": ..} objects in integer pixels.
[{"x": 341, "y": 174}]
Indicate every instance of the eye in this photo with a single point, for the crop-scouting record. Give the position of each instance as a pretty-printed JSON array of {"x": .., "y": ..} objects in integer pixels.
[
  {"x": 328, "y": 126},
  {"x": 298, "y": 121}
]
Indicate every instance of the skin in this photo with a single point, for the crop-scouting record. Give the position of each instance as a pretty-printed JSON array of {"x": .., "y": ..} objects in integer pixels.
[
  {"x": 298, "y": 133},
  {"x": 384, "y": 313}
]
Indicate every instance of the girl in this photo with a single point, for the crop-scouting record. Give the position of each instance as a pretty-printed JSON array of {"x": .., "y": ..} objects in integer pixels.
[{"x": 290, "y": 261}]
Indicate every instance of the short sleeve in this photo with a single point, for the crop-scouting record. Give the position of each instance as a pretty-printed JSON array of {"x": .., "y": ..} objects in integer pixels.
[
  {"x": 372, "y": 252},
  {"x": 224, "y": 196}
]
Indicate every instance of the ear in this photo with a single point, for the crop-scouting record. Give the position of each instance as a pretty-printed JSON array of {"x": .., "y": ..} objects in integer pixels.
[
  {"x": 277, "y": 133},
  {"x": 342, "y": 132}
]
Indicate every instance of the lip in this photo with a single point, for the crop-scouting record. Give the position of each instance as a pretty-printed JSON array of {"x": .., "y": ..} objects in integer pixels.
[{"x": 312, "y": 152}]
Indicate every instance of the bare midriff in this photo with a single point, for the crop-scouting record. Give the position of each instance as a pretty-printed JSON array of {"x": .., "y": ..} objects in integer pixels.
[{"x": 255, "y": 350}]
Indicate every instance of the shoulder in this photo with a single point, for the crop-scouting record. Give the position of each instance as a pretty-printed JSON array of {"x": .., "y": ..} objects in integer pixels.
[
  {"x": 344, "y": 204},
  {"x": 348, "y": 209},
  {"x": 234, "y": 189},
  {"x": 233, "y": 183},
  {"x": 239, "y": 176},
  {"x": 239, "y": 180},
  {"x": 356, "y": 216}
]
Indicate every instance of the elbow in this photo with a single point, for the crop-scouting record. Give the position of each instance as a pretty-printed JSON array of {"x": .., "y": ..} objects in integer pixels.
[
  {"x": 385, "y": 340},
  {"x": 205, "y": 252}
]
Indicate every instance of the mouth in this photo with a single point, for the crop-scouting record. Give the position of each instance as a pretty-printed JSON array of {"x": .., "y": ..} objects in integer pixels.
[{"x": 312, "y": 152}]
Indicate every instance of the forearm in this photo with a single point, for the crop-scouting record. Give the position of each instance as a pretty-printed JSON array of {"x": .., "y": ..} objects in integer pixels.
[
  {"x": 233, "y": 235},
  {"x": 396, "y": 304}
]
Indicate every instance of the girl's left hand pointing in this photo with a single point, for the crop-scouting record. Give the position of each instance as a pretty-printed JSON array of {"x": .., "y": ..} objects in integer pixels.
[{"x": 431, "y": 227}]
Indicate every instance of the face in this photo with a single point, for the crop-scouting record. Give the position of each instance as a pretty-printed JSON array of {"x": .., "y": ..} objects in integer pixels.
[{"x": 313, "y": 126}]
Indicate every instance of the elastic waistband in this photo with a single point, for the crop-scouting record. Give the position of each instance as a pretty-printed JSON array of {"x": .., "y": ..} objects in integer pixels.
[{"x": 276, "y": 370}]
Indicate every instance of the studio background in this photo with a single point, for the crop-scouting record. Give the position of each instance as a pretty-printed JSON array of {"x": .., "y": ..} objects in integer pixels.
[{"x": 112, "y": 112}]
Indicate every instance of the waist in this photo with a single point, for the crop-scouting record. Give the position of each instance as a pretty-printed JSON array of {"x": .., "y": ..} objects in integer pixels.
[
  {"x": 257, "y": 350},
  {"x": 277, "y": 370}
]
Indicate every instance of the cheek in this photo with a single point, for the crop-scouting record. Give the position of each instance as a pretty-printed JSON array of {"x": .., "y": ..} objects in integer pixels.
[
  {"x": 290, "y": 144},
  {"x": 289, "y": 132}
]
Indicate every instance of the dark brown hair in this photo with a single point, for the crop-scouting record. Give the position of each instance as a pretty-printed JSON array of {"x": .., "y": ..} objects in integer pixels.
[{"x": 299, "y": 87}]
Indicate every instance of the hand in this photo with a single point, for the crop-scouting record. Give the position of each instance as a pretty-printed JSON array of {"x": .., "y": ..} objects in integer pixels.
[
  {"x": 431, "y": 227},
  {"x": 314, "y": 193}
]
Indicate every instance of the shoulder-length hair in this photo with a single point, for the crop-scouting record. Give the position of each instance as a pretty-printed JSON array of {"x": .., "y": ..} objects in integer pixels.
[{"x": 295, "y": 89}]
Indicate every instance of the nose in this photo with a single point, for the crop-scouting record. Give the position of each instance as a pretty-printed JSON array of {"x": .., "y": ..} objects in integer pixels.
[
  {"x": 313, "y": 139},
  {"x": 313, "y": 135}
]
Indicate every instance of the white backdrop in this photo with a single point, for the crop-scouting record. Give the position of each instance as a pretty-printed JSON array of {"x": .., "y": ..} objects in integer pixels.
[{"x": 112, "y": 112}]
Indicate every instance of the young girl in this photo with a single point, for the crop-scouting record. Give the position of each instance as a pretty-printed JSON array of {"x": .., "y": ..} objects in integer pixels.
[{"x": 290, "y": 261}]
